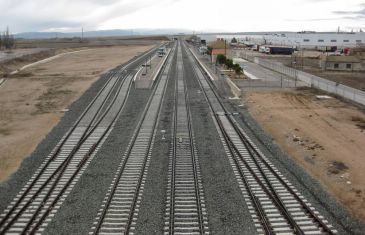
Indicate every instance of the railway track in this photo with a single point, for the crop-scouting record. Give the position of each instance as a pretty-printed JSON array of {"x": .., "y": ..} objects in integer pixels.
[
  {"x": 185, "y": 204},
  {"x": 276, "y": 207},
  {"x": 119, "y": 211},
  {"x": 40, "y": 198}
]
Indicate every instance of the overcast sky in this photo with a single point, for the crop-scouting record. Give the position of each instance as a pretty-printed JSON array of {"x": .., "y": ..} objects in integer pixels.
[{"x": 197, "y": 15}]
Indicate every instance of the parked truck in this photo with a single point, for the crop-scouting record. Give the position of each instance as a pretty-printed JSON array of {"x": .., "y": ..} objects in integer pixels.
[
  {"x": 327, "y": 48},
  {"x": 255, "y": 47},
  {"x": 279, "y": 50}
]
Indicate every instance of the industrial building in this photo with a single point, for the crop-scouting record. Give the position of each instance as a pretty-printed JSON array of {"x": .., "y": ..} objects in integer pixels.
[
  {"x": 355, "y": 61},
  {"x": 312, "y": 40},
  {"x": 305, "y": 40},
  {"x": 341, "y": 63}
]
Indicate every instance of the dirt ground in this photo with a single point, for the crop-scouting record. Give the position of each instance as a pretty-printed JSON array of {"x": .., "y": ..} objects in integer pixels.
[
  {"x": 325, "y": 136},
  {"x": 33, "y": 101}
]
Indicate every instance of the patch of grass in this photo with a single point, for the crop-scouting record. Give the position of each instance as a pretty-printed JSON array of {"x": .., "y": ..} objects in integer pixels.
[
  {"x": 22, "y": 75},
  {"x": 337, "y": 167},
  {"x": 5, "y": 131},
  {"x": 360, "y": 121},
  {"x": 48, "y": 101},
  {"x": 357, "y": 119}
]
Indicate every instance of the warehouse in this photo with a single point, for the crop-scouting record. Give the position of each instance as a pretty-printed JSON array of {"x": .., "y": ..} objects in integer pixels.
[
  {"x": 313, "y": 40},
  {"x": 306, "y": 40}
]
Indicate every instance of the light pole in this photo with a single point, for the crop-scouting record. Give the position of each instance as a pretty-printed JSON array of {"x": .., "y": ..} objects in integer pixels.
[{"x": 295, "y": 73}]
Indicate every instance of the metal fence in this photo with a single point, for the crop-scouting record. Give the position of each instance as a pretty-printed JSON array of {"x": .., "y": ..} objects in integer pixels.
[
  {"x": 282, "y": 83},
  {"x": 312, "y": 80}
]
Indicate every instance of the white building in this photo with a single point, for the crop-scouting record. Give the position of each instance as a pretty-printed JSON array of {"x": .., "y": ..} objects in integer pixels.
[
  {"x": 308, "y": 40},
  {"x": 316, "y": 40}
]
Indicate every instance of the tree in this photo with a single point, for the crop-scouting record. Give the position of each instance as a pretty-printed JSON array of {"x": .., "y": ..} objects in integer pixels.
[
  {"x": 7, "y": 40},
  {"x": 234, "y": 40},
  {"x": 237, "y": 68},
  {"x": 229, "y": 63},
  {"x": 221, "y": 59},
  {"x": 209, "y": 50}
]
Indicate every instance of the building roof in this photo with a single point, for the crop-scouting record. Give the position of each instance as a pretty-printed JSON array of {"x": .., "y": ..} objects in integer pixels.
[{"x": 342, "y": 59}]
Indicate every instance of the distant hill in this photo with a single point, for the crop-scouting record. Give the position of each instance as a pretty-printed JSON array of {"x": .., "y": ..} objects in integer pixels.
[{"x": 100, "y": 33}]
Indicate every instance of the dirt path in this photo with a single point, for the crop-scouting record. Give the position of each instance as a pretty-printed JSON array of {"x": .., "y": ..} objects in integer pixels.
[
  {"x": 325, "y": 136},
  {"x": 32, "y": 101}
]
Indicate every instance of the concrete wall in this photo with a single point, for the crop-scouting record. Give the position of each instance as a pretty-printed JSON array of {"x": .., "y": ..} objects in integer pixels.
[
  {"x": 234, "y": 88},
  {"x": 342, "y": 66}
]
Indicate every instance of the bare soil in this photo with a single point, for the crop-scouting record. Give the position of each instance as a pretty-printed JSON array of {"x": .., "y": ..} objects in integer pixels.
[
  {"x": 33, "y": 101},
  {"x": 325, "y": 136}
]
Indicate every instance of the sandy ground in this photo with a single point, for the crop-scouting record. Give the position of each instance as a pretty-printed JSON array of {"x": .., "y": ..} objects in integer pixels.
[
  {"x": 325, "y": 136},
  {"x": 32, "y": 102}
]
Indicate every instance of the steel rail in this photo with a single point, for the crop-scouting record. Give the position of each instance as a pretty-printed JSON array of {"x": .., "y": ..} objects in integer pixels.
[
  {"x": 16, "y": 216},
  {"x": 83, "y": 161},
  {"x": 115, "y": 185},
  {"x": 3, "y": 221},
  {"x": 272, "y": 195},
  {"x": 253, "y": 152},
  {"x": 63, "y": 165},
  {"x": 257, "y": 205},
  {"x": 193, "y": 158},
  {"x": 192, "y": 144},
  {"x": 172, "y": 193}
]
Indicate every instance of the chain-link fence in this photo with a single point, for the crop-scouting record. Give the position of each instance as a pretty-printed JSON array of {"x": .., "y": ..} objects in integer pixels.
[
  {"x": 258, "y": 83},
  {"x": 312, "y": 80}
]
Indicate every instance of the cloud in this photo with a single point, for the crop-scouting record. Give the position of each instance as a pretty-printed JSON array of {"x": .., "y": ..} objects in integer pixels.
[
  {"x": 39, "y": 15},
  {"x": 331, "y": 19},
  {"x": 354, "y": 15},
  {"x": 71, "y": 15},
  {"x": 339, "y": 15}
]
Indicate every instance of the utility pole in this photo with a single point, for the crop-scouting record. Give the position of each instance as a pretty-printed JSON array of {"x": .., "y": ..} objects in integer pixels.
[
  {"x": 82, "y": 34},
  {"x": 225, "y": 47}
]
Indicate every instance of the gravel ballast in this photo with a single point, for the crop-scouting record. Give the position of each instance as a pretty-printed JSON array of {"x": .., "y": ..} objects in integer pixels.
[
  {"x": 79, "y": 210},
  {"x": 226, "y": 208},
  {"x": 152, "y": 210},
  {"x": 309, "y": 187}
]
